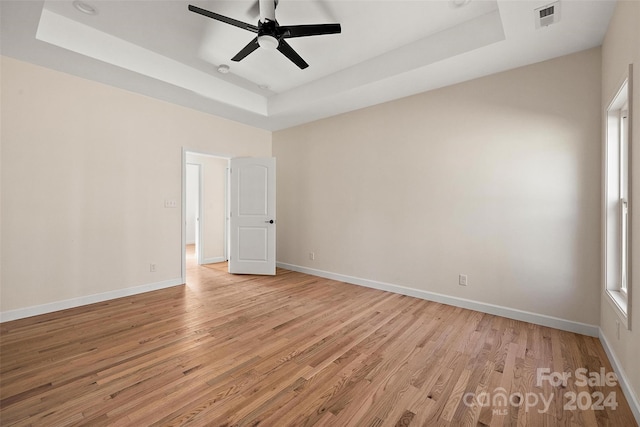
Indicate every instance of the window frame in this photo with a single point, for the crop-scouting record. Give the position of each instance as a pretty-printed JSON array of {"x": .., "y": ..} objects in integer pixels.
[{"x": 617, "y": 203}]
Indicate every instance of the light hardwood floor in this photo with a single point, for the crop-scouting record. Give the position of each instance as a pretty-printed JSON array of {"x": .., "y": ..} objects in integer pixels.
[{"x": 292, "y": 350}]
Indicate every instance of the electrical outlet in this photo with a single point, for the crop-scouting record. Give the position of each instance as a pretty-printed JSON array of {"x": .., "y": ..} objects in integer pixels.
[
  {"x": 152, "y": 268},
  {"x": 312, "y": 256},
  {"x": 462, "y": 279}
]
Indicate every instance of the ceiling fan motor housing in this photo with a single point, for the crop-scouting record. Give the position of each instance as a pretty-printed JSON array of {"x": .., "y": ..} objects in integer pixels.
[{"x": 267, "y": 10}]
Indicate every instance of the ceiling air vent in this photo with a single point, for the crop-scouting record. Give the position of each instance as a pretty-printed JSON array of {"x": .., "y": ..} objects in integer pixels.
[{"x": 547, "y": 15}]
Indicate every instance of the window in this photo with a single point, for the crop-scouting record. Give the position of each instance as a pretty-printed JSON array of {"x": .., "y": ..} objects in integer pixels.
[
  {"x": 624, "y": 197},
  {"x": 617, "y": 203}
]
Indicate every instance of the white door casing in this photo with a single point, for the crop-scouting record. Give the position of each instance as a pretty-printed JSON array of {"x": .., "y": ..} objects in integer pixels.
[{"x": 252, "y": 210}]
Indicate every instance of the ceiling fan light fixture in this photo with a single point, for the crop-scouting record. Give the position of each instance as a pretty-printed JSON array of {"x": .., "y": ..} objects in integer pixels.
[
  {"x": 85, "y": 8},
  {"x": 268, "y": 42}
]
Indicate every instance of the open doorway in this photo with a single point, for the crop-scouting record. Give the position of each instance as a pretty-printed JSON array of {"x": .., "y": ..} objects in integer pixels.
[
  {"x": 192, "y": 210},
  {"x": 204, "y": 202}
]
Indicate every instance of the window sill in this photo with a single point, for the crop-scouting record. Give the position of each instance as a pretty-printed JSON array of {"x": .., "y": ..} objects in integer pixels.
[{"x": 620, "y": 304}]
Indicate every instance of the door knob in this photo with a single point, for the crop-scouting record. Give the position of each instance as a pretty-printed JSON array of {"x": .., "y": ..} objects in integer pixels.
[{"x": 270, "y": 221}]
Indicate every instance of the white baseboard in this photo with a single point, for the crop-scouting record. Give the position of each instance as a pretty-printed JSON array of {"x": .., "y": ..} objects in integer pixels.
[
  {"x": 623, "y": 380},
  {"x": 511, "y": 313},
  {"x": 35, "y": 310},
  {"x": 213, "y": 260}
]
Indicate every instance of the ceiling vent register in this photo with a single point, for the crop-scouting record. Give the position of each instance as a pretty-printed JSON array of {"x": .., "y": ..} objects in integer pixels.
[{"x": 547, "y": 15}]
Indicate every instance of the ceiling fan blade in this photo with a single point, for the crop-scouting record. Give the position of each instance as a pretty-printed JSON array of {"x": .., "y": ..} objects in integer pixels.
[
  {"x": 286, "y": 49},
  {"x": 224, "y": 19},
  {"x": 289, "y": 31},
  {"x": 253, "y": 45}
]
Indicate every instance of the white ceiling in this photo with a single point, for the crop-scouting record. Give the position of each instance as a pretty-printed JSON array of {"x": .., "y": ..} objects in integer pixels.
[{"x": 387, "y": 49}]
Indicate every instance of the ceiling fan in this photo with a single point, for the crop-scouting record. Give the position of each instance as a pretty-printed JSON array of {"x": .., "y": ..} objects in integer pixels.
[{"x": 270, "y": 34}]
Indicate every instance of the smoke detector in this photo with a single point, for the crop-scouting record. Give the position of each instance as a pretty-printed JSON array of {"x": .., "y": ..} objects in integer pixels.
[{"x": 547, "y": 15}]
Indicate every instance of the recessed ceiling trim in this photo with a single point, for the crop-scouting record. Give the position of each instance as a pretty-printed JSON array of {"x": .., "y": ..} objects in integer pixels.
[
  {"x": 468, "y": 36},
  {"x": 85, "y": 8},
  {"x": 72, "y": 35},
  {"x": 459, "y": 3}
]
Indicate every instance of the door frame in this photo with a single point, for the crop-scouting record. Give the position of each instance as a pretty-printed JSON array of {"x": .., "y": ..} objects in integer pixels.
[{"x": 183, "y": 232}]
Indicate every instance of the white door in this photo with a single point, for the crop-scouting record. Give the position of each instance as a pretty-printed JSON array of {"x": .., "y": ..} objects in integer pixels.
[{"x": 252, "y": 201}]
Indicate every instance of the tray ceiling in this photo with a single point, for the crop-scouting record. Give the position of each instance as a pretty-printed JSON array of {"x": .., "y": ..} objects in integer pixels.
[{"x": 387, "y": 49}]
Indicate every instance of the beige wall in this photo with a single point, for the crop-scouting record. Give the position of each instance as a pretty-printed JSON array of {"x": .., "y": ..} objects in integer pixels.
[
  {"x": 497, "y": 178},
  {"x": 621, "y": 47},
  {"x": 86, "y": 169},
  {"x": 213, "y": 170}
]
